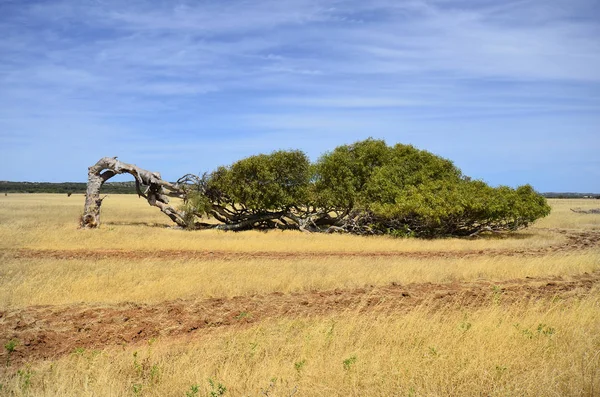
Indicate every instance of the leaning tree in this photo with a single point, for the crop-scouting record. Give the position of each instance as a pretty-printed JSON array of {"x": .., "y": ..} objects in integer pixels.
[
  {"x": 148, "y": 184},
  {"x": 366, "y": 188}
]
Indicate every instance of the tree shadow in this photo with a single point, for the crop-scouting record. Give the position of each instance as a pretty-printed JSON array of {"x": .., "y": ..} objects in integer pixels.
[
  {"x": 147, "y": 224},
  {"x": 503, "y": 236}
]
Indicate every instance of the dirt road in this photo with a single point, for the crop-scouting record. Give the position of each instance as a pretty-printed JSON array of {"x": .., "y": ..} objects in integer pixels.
[
  {"x": 52, "y": 331},
  {"x": 574, "y": 240}
]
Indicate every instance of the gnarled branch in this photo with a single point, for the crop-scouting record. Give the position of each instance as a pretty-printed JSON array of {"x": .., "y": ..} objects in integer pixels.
[
  {"x": 590, "y": 211},
  {"x": 157, "y": 192}
]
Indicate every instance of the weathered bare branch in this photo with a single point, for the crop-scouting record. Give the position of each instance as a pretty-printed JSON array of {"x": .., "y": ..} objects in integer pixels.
[
  {"x": 590, "y": 211},
  {"x": 156, "y": 194},
  {"x": 248, "y": 223}
]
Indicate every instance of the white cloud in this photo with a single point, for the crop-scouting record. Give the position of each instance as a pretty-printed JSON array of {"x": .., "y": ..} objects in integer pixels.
[{"x": 239, "y": 76}]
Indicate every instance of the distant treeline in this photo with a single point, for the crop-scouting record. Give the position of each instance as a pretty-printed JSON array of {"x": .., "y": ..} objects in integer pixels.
[
  {"x": 64, "y": 187},
  {"x": 129, "y": 188},
  {"x": 571, "y": 195}
]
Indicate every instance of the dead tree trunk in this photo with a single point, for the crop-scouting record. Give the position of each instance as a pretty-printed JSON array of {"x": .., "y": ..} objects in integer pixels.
[
  {"x": 590, "y": 211},
  {"x": 156, "y": 191}
]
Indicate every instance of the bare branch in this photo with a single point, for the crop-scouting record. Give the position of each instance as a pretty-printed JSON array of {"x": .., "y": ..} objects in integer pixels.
[{"x": 156, "y": 194}]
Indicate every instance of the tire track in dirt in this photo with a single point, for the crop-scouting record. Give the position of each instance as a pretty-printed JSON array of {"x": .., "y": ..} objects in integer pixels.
[
  {"x": 53, "y": 331},
  {"x": 579, "y": 240}
]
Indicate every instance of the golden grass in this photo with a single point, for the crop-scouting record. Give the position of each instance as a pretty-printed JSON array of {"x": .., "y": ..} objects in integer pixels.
[
  {"x": 563, "y": 217},
  {"x": 528, "y": 349},
  {"x": 51, "y": 281},
  {"x": 541, "y": 348},
  {"x": 49, "y": 221}
]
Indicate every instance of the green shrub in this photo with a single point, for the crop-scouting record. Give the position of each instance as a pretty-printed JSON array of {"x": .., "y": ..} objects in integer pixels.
[{"x": 367, "y": 187}]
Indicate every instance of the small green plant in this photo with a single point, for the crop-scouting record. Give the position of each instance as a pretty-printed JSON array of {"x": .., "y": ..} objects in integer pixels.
[
  {"x": 155, "y": 373},
  {"x": 10, "y": 347},
  {"x": 496, "y": 294},
  {"x": 329, "y": 334},
  {"x": 527, "y": 333},
  {"x": 349, "y": 362},
  {"x": 331, "y": 329},
  {"x": 79, "y": 351},
  {"x": 243, "y": 315},
  {"x": 136, "y": 364},
  {"x": 543, "y": 329},
  {"x": 299, "y": 365},
  {"x": 433, "y": 351},
  {"x": 557, "y": 298},
  {"x": 137, "y": 388},
  {"x": 25, "y": 378},
  {"x": 216, "y": 389},
  {"x": 193, "y": 392},
  {"x": 146, "y": 373},
  {"x": 252, "y": 352},
  {"x": 465, "y": 326}
]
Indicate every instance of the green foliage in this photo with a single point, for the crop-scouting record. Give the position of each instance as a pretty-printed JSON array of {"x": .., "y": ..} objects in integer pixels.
[
  {"x": 465, "y": 326},
  {"x": 145, "y": 374},
  {"x": 196, "y": 204},
  {"x": 342, "y": 175},
  {"x": 299, "y": 365},
  {"x": 137, "y": 388},
  {"x": 243, "y": 315},
  {"x": 349, "y": 362},
  {"x": 433, "y": 351},
  {"x": 370, "y": 172},
  {"x": 79, "y": 351},
  {"x": 462, "y": 206},
  {"x": 25, "y": 378},
  {"x": 404, "y": 191},
  {"x": 216, "y": 389},
  {"x": 367, "y": 187},
  {"x": 407, "y": 168},
  {"x": 265, "y": 182},
  {"x": 193, "y": 392},
  {"x": 496, "y": 294},
  {"x": 541, "y": 330},
  {"x": 11, "y": 345}
]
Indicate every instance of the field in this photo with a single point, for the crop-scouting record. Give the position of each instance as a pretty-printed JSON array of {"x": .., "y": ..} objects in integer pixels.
[{"x": 140, "y": 308}]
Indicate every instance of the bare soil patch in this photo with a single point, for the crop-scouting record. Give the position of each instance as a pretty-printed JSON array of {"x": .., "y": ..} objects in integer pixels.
[
  {"x": 45, "y": 332},
  {"x": 575, "y": 240}
]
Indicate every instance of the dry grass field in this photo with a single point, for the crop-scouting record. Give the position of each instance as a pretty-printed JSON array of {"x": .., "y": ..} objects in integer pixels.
[{"x": 137, "y": 308}]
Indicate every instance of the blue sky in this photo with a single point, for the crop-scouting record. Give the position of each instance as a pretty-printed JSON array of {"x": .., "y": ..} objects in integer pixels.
[{"x": 508, "y": 90}]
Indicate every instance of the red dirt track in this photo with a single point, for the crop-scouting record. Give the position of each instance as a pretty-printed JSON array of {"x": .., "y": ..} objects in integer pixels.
[
  {"x": 575, "y": 240},
  {"x": 52, "y": 331}
]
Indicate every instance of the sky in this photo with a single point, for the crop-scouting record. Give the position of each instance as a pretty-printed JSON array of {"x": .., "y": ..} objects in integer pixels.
[{"x": 508, "y": 90}]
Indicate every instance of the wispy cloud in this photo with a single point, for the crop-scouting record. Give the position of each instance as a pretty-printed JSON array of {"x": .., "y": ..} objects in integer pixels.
[{"x": 227, "y": 79}]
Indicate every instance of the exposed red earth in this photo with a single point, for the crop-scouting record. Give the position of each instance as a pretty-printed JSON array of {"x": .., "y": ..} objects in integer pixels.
[
  {"x": 575, "y": 240},
  {"x": 46, "y": 332}
]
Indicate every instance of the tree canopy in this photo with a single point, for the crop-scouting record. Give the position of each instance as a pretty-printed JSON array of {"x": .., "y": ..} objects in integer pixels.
[{"x": 367, "y": 187}]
